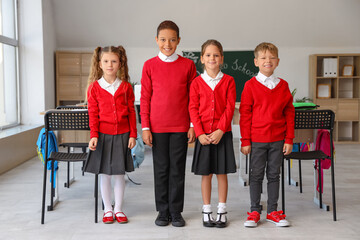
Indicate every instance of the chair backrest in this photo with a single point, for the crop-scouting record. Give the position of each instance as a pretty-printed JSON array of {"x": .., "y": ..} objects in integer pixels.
[
  {"x": 67, "y": 120},
  {"x": 314, "y": 119},
  {"x": 71, "y": 107}
]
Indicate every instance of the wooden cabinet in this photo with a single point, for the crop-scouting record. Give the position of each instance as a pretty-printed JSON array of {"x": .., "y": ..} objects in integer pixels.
[
  {"x": 72, "y": 71},
  {"x": 344, "y": 92}
]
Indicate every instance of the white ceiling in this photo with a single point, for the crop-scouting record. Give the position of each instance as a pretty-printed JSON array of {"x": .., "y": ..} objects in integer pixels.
[{"x": 236, "y": 24}]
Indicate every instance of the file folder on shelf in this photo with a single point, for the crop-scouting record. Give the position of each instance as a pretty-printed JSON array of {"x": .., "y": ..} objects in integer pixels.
[{"x": 330, "y": 67}]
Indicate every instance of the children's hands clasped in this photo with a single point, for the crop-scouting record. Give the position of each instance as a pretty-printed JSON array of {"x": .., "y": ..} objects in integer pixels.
[
  {"x": 216, "y": 136},
  {"x": 212, "y": 138},
  {"x": 204, "y": 139}
]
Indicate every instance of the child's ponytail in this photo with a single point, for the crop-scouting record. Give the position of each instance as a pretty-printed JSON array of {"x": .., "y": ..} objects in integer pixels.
[
  {"x": 95, "y": 70},
  {"x": 124, "y": 70}
]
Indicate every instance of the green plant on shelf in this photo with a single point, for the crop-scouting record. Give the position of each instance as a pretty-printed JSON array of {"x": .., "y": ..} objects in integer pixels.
[
  {"x": 304, "y": 99},
  {"x": 133, "y": 84}
]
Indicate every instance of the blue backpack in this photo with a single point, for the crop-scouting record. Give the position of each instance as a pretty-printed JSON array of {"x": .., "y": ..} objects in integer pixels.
[
  {"x": 137, "y": 152},
  {"x": 52, "y": 147}
]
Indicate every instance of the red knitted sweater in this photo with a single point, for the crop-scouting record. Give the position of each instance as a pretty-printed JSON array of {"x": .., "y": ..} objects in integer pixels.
[
  {"x": 165, "y": 94},
  {"x": 266, "y": 115},
  {"x": 110, "y": 114}
]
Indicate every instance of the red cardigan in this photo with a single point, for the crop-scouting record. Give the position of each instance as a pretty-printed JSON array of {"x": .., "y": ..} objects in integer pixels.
[
  {"x": 212, "y": 109},
  {"x": 110, "y": 114},
  {"x": 165, "y": 94},
  {"x": 266, "y": 115}
]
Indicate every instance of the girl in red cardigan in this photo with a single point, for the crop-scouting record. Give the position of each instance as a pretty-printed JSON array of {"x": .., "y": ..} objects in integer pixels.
[
  {"x": 211, "y": 107},
  {"x": 112, "y": 126}
]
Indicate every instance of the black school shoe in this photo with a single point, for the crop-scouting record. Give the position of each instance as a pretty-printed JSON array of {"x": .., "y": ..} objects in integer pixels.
[
  {"x": 219, "y": 223},
  {"x": 210, "y": 222},
  {"x": 177, "y": 220},
  {"x": 162, "y": 219}
]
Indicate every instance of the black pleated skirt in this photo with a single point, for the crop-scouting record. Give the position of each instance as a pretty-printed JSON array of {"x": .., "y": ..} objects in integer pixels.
[
  {"x": 112, "y": 155},
  {"x": 214, "y": 159}
]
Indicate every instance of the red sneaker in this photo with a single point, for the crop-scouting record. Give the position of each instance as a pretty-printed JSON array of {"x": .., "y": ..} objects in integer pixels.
[
  {"x": 278, "y": 218},
  {"x": 121, "y": 217},
  {"x": 252, "y": 219},
  {"x": 109, "y": 219}
]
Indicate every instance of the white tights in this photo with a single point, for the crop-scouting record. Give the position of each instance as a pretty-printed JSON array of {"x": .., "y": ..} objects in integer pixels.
[{"x": 119, "y": 189}]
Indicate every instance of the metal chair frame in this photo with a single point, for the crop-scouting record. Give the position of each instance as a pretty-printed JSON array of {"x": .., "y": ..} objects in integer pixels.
[
  {"x": 314, "y": 119},
  {"x": 83, "y": 145},
  {"x": 61, "y": 120}
]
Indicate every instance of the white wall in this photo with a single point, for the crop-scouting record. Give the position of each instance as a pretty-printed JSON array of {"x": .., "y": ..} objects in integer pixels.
[
  {"x": 49, "y": 53},
  {"x": 31, "y": 51},
  {"x": 298, "y": 28},
  {"x": 37, "y": 44}
]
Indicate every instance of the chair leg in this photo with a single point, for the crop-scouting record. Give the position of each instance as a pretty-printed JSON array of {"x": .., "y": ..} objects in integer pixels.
[
  {"x": 289, "y": 171},
  {"x": 44, "y": 194},
  {"x": 246, "y": 164},
  {"x": 320, "y": 185},
  {"x": 52, "y": 192},
  {"x": 282, "y": 186},
  {"x": 333, "y": 188},
  {"x": 82, "y": 168},
  {"x": 96, "y": 198},
  {"x": 67, "y": 184},
  {"x": 83, "y": 164},
  {"x": 300, "y": 176}
]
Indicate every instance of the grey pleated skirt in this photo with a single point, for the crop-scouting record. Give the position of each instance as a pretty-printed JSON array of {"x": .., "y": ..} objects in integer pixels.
[
  {"x": 214, "y": 159},
  {"x": 112, "y": 155}
]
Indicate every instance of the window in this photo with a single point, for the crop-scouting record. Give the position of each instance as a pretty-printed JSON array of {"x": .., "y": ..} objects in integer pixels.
[{"x": 9, "y": 104}]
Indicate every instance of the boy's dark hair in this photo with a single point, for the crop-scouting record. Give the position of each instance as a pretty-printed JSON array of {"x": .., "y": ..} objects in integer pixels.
[
  {"x": 265, "y": 46},
  {"x": 167, "y": 24}
]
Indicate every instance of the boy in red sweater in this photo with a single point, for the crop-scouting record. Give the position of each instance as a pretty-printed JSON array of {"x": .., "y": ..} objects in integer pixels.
[
  {"x": 267, "y": 131},
  {"x": 165, "y": 120}
]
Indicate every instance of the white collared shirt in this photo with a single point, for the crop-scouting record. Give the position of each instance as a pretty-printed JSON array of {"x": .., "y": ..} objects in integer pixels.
[
  {"x": 165, "y": 58},
  {"x": 269, "y": 82},
  {"x": 111, "y": 88},
  {"x": 212, "y": 82}
]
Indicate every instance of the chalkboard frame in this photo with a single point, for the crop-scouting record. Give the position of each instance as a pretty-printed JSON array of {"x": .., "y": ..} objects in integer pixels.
[{"x": 238, "y": 64}]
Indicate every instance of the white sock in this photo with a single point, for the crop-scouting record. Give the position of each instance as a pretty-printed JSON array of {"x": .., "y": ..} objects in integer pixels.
[
  {"x": 221, "y": 209},
  {"x": 105, "y": 188},
  {"x": 119, "y": 189},
  {"x": 207, "y": 209}
]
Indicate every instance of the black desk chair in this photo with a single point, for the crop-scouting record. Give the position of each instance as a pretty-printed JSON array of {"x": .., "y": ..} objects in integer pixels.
[
  {"x": 61, "y": 120},
  {"x": 68, "y": 145},
  {"x": 314, "y": 119}
]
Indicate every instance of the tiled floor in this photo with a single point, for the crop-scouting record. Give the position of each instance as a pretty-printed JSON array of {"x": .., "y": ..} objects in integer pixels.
[{"x": 73, "y": 217}]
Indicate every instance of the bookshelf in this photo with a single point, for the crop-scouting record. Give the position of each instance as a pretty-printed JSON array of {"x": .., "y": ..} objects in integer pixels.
[
  {"x": 344, "y": 93},
  {"x": 72, "y": 71}
]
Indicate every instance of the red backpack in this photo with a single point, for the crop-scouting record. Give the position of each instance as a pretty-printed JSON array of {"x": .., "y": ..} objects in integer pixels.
[{"x": 323, "y": 144}]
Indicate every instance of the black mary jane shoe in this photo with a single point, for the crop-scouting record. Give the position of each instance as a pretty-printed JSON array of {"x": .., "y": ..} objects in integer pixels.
[
  {"x": 210, "y": 222},
  {"x": 219, "y": 223}
]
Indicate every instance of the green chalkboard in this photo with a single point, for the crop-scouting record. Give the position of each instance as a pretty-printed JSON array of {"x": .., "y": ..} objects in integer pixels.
[{"x": 238, "y": 64}]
